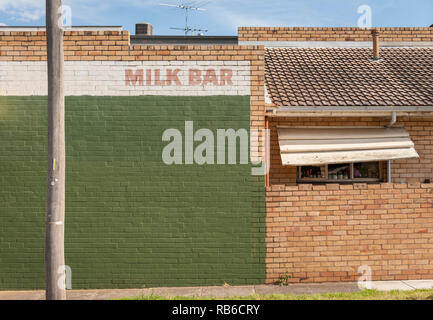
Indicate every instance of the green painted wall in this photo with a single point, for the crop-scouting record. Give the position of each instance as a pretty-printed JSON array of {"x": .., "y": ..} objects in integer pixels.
[{"x": 131, "y": 220}]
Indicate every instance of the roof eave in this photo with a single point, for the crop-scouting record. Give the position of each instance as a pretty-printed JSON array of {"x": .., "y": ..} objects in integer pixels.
[{"x": 348, "y": 111}]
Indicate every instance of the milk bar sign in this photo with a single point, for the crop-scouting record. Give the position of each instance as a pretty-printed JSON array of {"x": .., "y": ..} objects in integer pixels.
[{"x": 179, "y": 77}]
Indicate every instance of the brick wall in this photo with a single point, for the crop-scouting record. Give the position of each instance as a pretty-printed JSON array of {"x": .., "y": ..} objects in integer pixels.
[
  {"x": 416, "y": 170},
  {"x": 332, "y": 34},
  {"x": 112, "y": 49},
  {"x": 325, "y": 233},
  {"x": 410, "y": 170},
  {"x": 131, "y": 220},
  {"x": 78, "y": 45}
]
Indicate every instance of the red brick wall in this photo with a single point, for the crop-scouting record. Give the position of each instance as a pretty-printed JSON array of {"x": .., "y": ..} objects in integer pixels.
[
  {"x": 410, "y": 170},
  {"x": 325, "y": 233},
  {"x": 332, "y": 34}
]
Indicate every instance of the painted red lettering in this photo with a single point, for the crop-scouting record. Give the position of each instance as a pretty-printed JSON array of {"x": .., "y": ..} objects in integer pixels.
[
  {"x": 149, "y": 77},
  {"x": 194, "y": 77},
  {"x": 131, "y": 79},
  {"x": 158, "y": 81},
  {"x": 226, "y": 77},
  {"x": 210, "y": 78},
  {"x": 172, "y": 75}
]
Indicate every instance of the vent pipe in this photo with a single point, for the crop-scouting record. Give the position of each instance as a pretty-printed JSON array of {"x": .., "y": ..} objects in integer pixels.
[{"x": 376, "y": 49}]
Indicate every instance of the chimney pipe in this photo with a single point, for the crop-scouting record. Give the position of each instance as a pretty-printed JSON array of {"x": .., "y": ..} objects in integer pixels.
[
  {"x": 376, "y": 50},
  {"x": 143, "y": 29}
]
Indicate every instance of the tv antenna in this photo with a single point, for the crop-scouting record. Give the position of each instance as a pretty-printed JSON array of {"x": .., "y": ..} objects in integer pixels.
[{"x": 187, "y": 9}]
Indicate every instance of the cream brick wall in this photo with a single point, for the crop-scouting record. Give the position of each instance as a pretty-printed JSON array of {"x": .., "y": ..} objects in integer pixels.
[{"x": 107, "y": 78}]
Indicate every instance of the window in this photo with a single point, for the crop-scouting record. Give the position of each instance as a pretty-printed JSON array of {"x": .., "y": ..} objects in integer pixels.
[
  {"x": 341, "y": 173},
  {"x": 310, "y": 172},
  {"x": 366, "y": 170}
]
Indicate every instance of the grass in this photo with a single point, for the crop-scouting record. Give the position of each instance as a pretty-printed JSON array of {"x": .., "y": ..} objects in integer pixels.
[{"x": 360, "y": 295}]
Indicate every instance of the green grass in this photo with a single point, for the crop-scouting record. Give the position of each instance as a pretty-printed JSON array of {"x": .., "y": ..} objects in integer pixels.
[{"x": 361, "y": 295}]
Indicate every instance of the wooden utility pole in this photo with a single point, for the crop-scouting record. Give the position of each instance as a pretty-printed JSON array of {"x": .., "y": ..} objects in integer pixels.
[{"x": 55, "y": 214}]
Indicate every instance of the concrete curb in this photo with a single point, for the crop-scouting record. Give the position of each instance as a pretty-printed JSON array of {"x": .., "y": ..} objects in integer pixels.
[{"x": 221, "y": 292}]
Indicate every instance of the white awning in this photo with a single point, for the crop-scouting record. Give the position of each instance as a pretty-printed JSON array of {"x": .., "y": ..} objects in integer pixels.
[{"x": 317, "y": 146}]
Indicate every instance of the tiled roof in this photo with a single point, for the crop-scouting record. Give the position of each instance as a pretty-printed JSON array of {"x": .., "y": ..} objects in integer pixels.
[{"x": 347, "y": 77}]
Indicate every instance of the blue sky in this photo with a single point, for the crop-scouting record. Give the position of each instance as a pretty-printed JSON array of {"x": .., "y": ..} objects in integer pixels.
[{"x": 222, "y": 17}]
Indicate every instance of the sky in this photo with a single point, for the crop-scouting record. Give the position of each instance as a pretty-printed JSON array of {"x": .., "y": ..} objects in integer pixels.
[{"x": 222, "y": 17}]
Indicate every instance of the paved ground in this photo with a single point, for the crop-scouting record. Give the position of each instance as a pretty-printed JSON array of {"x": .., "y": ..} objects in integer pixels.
[{"x": 221, "y": 291}]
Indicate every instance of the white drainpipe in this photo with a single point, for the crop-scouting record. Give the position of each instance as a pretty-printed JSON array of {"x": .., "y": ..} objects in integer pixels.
[{"x": 392, "y": 122}]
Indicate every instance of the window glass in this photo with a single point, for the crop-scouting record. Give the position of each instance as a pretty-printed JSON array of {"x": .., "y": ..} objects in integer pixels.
[
  {"x": 366, "y": 170},
  {"x": 362, "y": 171},
  {"x": 310, "y": 172},
  {"x": 339, "y": 171}
]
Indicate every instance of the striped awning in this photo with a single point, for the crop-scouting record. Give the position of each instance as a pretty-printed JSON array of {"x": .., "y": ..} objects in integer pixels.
[{"x": 317, "y": 146}]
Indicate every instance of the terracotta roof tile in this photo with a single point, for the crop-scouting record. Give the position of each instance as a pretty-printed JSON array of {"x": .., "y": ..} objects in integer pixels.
[{"x": 347, "y": 77}]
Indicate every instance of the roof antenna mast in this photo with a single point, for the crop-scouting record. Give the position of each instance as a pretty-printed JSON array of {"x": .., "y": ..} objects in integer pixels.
[{"x": 187, "y": 9}]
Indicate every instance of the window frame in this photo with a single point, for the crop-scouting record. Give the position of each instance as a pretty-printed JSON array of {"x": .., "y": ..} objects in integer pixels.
[{"x": 351, "y": 180}]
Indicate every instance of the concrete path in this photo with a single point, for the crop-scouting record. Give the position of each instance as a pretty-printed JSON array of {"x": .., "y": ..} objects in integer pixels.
[
  {"x": 402, "y": 285},
  {"x": 220, "y": 292}
]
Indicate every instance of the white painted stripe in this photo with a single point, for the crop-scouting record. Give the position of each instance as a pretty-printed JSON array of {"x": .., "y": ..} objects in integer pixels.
[
  {"x": 107, "y": 78},
  {"x": 55, "y": 223}
]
